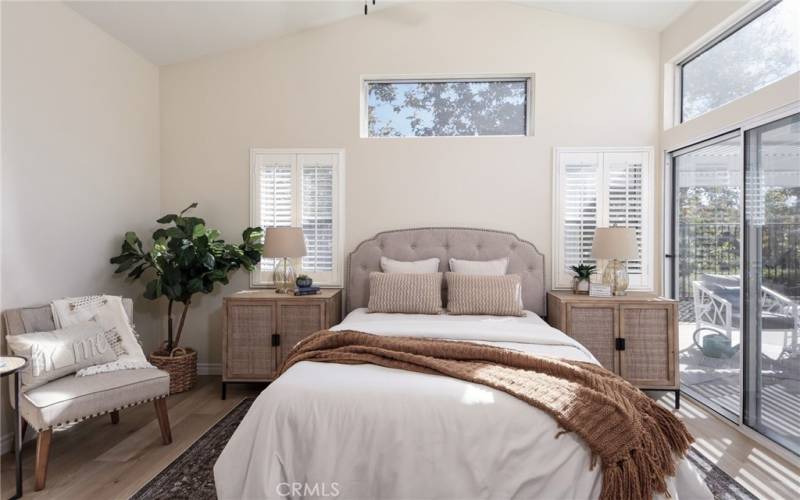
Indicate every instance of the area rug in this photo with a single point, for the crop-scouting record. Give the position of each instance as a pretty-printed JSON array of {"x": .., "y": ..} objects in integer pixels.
[{"x": 191, "y": 475}]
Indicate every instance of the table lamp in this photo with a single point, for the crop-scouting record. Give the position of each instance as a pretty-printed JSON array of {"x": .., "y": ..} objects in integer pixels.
[
  {"x": 284, "y": 243},
  {"x": 615, "y": 244}
]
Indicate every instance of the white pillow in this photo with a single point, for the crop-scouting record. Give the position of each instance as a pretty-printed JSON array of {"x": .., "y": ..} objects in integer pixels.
[
  {"x": 410, "y": 267},
  {"x": 52, "y": 355},
  {"x": 110, "y": 314},
  {"x": 495, "y": 267}
]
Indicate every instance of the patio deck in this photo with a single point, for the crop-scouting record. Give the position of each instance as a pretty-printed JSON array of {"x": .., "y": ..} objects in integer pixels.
[{"x": 717, "y": 380}]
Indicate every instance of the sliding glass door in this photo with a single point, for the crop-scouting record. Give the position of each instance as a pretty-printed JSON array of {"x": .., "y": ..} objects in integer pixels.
[
  {"x": 735, "y": 262},
  {"x": 772, "y": 293},
  {"x": 708, "y": 189}
]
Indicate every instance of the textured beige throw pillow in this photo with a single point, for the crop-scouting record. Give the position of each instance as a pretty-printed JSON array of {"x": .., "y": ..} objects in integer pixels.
[
  {"x": 54, "y": 354},
  {"x": 405, "y": 293},
  {"x": 492, "y": 295}
]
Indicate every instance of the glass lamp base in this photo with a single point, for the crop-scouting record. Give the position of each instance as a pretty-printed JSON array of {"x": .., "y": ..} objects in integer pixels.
[
  {"x": 283, "y": 276},
  {"x": 616, "y": 276}
]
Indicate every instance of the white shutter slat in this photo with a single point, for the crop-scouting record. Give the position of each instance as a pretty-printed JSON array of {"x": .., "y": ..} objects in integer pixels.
[
  {"x": 624, "y": 178},
  {"x": 579, "y": 183},
  {"x": 275, "y": 199},
  {"x": 627, "y": 191},
  {"x": 317, "y": 216}
]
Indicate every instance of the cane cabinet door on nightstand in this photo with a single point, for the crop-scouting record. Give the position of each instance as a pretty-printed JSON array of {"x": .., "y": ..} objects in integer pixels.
[
  {"x": 298, "y": 321},
  {"x": 649, "y": 356},
  {"x": 594, "y": 326},
  {"x": 249, "y": 353}
]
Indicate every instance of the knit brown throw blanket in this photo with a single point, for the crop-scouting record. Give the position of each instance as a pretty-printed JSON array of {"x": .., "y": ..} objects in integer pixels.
[{"x": 635, "y": 440}]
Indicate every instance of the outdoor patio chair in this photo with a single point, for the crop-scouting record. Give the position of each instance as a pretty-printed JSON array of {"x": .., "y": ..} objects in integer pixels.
[{"x": 716, "y": 307}]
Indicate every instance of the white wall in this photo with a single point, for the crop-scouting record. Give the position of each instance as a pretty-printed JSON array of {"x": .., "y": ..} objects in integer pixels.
[
  {"x": 596, "y": 84},
  {"x": 80, "y": 132}
]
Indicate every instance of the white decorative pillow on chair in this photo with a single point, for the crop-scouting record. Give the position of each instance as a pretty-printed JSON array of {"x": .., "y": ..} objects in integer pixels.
[
  {"x": 110, "y": 314},
  {"x": 52, "y": 355},
  {"x": 410, "y": 267},
  {"x": 496, "y": 267}
]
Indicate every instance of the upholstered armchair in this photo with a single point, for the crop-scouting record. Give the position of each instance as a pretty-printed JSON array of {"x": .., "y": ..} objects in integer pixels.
[{"x": 71, "y": 399}]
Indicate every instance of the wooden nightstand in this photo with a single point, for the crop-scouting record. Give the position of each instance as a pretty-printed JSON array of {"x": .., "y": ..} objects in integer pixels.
[
  {"x": 260, "y": 327},
  {"x": 634, "y": 336}
]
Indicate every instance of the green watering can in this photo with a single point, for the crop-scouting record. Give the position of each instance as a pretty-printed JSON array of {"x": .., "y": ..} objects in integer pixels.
[{"x": 714, "y": 345}]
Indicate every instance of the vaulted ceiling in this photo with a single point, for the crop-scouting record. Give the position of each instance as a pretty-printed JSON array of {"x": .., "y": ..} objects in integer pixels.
[{"x": 167, "y": 32}]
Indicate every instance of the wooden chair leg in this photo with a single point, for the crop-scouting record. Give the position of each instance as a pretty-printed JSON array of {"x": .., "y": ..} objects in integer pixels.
[
  {"x": 163, "y": 420},
  {"x": 114, "y": 417},
  {"x": 42, "y": 455}
]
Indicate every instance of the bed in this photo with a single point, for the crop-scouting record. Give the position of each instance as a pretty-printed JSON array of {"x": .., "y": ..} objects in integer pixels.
[{"x": 364, "y": 431}]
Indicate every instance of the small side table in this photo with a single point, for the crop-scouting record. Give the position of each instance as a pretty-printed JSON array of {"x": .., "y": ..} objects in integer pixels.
[{"x": 12, "y": 365}]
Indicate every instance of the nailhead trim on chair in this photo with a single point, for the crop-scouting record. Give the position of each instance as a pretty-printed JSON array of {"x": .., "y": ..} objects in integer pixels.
[{"x": 137, "y": 403}]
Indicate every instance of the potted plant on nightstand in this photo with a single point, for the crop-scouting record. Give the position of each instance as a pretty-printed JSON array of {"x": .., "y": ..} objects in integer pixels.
[
  {"x": 186, "y": 258},
  {"x": 583, "y": 275}
]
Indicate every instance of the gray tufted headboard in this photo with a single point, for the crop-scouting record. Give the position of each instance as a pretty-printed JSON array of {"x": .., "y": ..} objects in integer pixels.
[{"x": 446, "y": 242}]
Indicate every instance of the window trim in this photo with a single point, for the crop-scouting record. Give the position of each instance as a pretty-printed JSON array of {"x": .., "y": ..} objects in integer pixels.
[
  {"x": 752, "y": 13},
  {"x": 339, "y": 188},
  {"x": 363, "y": 117},
  {"x": 649, "y": 215}
]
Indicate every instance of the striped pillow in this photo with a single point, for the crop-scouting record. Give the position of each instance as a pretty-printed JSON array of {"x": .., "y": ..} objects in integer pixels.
[
  {"x": 476, "y": 294},
  {"x": 405, "y": 293}
]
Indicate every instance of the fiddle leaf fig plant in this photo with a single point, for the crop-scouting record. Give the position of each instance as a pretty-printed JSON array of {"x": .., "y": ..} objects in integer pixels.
[{"x": 186, "y": 258}]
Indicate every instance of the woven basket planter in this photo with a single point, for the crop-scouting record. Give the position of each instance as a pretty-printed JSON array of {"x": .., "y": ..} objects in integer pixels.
[{"x": 181, "y": 364}]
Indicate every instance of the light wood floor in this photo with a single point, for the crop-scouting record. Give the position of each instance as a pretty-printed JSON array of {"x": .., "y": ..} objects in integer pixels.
[
  {"x": 766, "y": 474},
  {"x": 95, "y": 460}
]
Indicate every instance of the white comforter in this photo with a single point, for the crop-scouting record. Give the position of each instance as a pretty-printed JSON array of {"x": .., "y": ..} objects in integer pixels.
[{"x": 367, "y": 432}]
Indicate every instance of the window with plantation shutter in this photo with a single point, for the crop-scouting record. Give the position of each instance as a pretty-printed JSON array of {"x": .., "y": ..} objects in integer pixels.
[
  {"x": 301, "y": 189},
  {"x": 601, "y": 187}
]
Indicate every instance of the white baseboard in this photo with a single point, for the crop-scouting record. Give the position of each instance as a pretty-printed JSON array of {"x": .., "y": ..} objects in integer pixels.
[{"x": 209, "y": 368}]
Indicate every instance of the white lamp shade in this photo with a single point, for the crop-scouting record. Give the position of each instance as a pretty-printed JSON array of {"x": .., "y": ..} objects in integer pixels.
[
  {"x": 282, "y": 242},
  {"x": 615, "y": 243}
]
